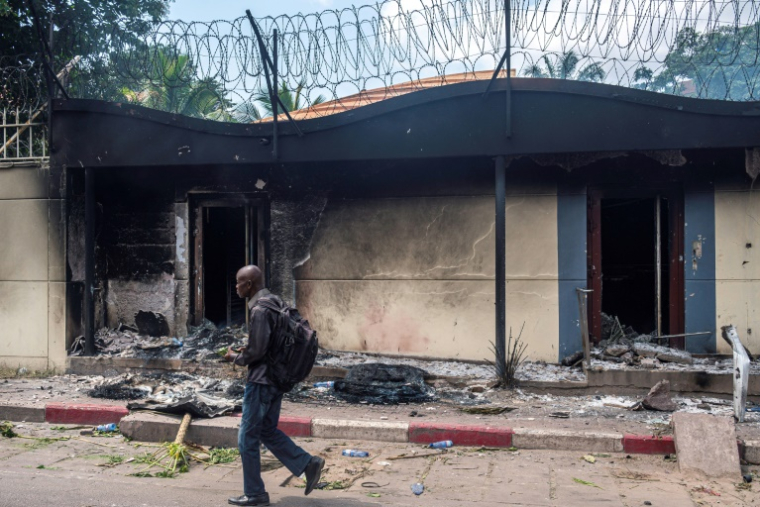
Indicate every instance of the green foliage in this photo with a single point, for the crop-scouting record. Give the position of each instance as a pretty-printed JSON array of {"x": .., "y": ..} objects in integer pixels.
[
  {"x": 6, "y": 430},
  {"x": 114, "y": 459},
  {"x": 171, "y": 85},
  {"x": 720, "y": 64},
  {"x": 79, "y": 25},
  {"x": 565, "y": 66},
  {"x": 222, "y": 455},
  {"x": 292, "y": 98}
]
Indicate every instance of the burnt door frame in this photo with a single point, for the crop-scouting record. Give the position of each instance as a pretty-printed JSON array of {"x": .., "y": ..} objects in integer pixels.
[
  {"x": 256, "y": 211},
  {"x": 675, "y": 284}
]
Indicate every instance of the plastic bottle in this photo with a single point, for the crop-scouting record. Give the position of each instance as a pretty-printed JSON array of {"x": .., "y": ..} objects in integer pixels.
[
  {"x": 443, "y": 444},
  {"x": 353, "y": 453},
  {"x": 107, "y": 428},
  {"x": 329, "y": 384}
]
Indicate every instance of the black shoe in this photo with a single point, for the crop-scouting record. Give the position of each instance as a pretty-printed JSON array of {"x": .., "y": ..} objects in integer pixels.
[
  {"x": 262, "y": 499},
  {"x": 313, "y": 473}
]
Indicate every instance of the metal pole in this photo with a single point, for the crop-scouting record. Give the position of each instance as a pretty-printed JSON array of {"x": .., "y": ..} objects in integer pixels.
[
  {"x": 89, "y": 262},
  {"x": 658, "y": 264},
  {"x": 501, "y": 265},
  {"x": 583, "y": 318},
  {"x": 508, "y": 29},
  {"x": 275, "y": 95}
]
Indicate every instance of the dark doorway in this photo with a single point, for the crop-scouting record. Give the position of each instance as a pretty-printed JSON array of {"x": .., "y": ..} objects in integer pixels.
[
  {"x": 224, "y": 254},
  {"x": 631, "y": 274},
  {"x": 228, "y": 234},
  {"x": 635, "y": 261}
]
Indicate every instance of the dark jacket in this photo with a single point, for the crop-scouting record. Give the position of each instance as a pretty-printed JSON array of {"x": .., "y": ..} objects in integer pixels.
[{"x": 260, "y": 327}]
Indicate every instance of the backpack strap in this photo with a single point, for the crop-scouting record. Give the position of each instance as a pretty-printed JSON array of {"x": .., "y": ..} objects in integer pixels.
[{"x": 269, "y": 304}]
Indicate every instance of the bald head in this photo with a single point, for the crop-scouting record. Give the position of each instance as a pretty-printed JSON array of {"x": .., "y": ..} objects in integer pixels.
[{"x": 249, "y": 281}]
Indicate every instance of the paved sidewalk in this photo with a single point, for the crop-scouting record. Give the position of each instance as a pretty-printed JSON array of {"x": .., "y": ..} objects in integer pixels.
[{"x": 73, "y": 476}]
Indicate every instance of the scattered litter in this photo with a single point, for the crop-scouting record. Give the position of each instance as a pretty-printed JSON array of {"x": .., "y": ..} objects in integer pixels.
[
  {"x": 706, "y": 490},
  {"x": 328, "y": 385},
  {"x": 586, "y": 483},
  {"x": 589, "y": 458},
  {"x": 411, "y": 456},
  {"x": 353, "y": 453},
  {"x": 370, "y": 484},
  {"x": 443, "y": 444},
  {"x": 490, "y": 410},
  {"x": 418, "y": 488},
  {"x": 197, "y": 404},
  {"x": 560, "y": 415},
  {"x": 374, "y": 495},
  {"x": 743, "y": 486},
  {"x": 384, "y": 463},
  {"x": 747, "y": 478}
]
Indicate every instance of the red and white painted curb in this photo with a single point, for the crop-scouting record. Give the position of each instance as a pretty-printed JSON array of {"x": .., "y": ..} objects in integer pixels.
[{"x": 414, "y": 432}]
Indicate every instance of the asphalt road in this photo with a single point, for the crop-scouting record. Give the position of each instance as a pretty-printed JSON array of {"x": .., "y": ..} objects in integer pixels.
[{"x": 73, "y": 473}]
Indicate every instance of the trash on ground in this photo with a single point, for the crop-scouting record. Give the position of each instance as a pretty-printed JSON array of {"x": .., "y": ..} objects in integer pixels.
[
  {"x": 443, "y": 444},
  {"x": 197, "y": 404},
  {"x": 384, "y": 384},
  {"x": 328, "y": 385},
  {"x": 489, "y": 410},
  {"x": 107, "y": 428},
  {"x": 354, "y": 453},
  {"x": 706, "y": 490},
  {"x": 418, "y": 488},
  {"x": 589, "y": 458}
]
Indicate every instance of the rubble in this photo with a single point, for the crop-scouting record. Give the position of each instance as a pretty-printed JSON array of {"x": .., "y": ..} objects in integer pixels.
[
  {"x": 659, "y": 398},
  {"x": 384, "y": 384},
  {"x": 203, "y": 343}
]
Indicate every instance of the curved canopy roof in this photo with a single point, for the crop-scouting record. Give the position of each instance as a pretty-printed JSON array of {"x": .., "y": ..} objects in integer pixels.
[{"x": 457, "y": 120}]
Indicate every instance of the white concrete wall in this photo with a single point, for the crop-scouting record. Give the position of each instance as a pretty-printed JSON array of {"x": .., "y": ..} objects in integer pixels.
[
  {"x": 415, "y": 276},
  {"x": 32, "y": 271},
  {"x": 737, "y": 226}
]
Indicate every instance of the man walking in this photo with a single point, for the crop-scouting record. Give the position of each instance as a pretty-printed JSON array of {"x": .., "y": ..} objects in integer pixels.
[{"x": 262, "y": 401}]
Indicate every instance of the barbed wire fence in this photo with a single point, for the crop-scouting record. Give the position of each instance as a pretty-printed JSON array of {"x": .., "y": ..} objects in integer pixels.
[{"x": 329, "y": 61}]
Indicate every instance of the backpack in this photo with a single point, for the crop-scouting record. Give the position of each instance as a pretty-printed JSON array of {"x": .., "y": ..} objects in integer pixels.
[{"x": 293, "y": 347}]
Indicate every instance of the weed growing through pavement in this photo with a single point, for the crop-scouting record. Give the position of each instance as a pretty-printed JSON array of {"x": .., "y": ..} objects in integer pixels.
[
  {"x": 223, "y": 455},
  {"x": 514, "y": 358},
  {"x": 6, "y": 430},
  {"x": 6, "y": 372}
]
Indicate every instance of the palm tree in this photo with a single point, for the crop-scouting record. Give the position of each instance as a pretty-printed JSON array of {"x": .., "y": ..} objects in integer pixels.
[
  {"x": 172, "y": 85},
  {"x": 291, "y": 98},
  {"x": 565, "y": 67}
]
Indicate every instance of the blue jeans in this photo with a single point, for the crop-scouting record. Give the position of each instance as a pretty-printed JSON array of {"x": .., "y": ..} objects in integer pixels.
[{"x": 261, "y": 411}]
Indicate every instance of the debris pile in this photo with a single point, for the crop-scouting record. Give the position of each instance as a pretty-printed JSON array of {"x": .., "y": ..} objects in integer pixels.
[
  {"x": 173, "y": 393},
  {"x": 624, "y": 345},
  {"x": 205, "y": 342},
  {"x": 659, "y": 398},
  {"x": 387, "y": 384}
]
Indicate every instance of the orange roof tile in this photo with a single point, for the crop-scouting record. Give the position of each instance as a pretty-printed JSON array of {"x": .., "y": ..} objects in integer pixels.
[{"x": 366, "y": 97}]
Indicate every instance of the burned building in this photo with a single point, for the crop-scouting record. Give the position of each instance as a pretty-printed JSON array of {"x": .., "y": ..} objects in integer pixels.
[{"x": 380, "y": 222}]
